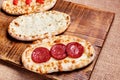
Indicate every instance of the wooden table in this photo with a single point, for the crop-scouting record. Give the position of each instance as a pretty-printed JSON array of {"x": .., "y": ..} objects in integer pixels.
[{"x": 108, "y": 63}]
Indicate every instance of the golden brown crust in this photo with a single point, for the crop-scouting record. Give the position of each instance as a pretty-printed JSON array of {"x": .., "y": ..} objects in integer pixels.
[
  {"x": 53, "y": 65},
  {"x": 22, "y": 8}
]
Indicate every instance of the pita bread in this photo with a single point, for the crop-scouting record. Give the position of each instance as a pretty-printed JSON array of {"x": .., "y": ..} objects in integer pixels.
[
  {"x": 53, "y": 65},
  {"x": 38, "y": 25},
  {"x": 22, "y": 8}
]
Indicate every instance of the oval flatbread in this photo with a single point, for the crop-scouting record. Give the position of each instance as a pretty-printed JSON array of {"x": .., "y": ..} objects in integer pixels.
[
  {"x": 38, "y": 25},
  {"x": 23, "y": 8},
  {"x": 53, "y": 65}
]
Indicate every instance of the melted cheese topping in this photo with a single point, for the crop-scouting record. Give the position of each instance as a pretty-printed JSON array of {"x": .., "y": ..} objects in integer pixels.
[
  {"x": 54, "y": 65},
  {"x": 39, "y": 25}
]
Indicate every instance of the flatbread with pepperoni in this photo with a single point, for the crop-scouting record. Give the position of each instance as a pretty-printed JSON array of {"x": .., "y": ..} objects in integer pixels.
[
  {"x": 18, "y": 7},
  {"x": 58, "y": 53}
]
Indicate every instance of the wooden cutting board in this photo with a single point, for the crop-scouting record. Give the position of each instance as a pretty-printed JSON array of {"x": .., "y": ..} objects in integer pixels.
[{"x": 88, "y": 23}]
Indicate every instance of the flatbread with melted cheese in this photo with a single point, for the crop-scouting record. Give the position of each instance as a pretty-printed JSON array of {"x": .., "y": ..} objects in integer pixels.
[
  {"x": 53, "y": 65},
  {"x": 39, "y": 25},
  {"x": 22, "y": 8}
]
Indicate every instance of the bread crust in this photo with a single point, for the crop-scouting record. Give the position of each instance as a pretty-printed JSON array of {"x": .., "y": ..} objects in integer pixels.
[
  {"x": 22, "y": 8},
  {"x": 53, "y": 65},
  {"x": 39, "y": 25}
]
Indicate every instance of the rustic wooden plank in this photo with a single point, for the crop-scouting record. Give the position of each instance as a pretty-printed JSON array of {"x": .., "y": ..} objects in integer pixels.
[
  {"x": 10, "y": 49},
  {"x": 95, "y": 41},
  {"x": 90, "y": 24},
  {"x": 84, "y": 18}
]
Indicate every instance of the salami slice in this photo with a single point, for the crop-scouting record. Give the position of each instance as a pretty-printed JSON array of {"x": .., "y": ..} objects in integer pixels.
[
  {"x": 74, "y": 49},
  {"x": 58, "y": 51},
  {"x": 40, "y": 55},
  {"x": 15, "y": 2},
  {"x": 40, "y": 1},
  {"x": 28, "y": 2}
]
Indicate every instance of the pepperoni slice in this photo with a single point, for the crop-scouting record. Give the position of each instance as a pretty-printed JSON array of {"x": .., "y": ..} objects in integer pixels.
[
  {"x": 40, "y": 55},
  {"x": 58, "y": 51},
  {"x": 15, "y": 2},
  {"x": 40, "y": 1},
  {"x": 74, "y": 49},
  {"x": 28, "y": 2}
]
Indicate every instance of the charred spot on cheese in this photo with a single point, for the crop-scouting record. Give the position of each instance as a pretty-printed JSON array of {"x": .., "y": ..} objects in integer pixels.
[
  {"x": 33, "y": 7},
  {"x": 46, "y": 34},
  {"x": 28, "y": 60},
  {"x": 57, "y": 41},
  {"x": 39, "y": 70},
  {"x": 66, "y": 61},
  {"x": 33, "y": 36},
  {"x": 91, "y": 55},
  {"x": 73, "y": 61},
  {"x": 7, "y": 5},
  {"x": 52, "y": 64},
  {"x": 12, "y": 30},
  {"x": 60, "y": 66},
  {"x": 16, "y": 23},
  {"x": 20, "y": 35},
  {"x": 67, "y": 17},
  {"x": 49, "y": 24},
  {"x": 32, "y": 67}
]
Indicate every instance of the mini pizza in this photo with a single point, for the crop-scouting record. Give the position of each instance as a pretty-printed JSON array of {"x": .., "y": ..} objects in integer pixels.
[
  {"x": 18, "y": 7},
  {"x": 39, "y": 25},
  {"x": 57, "y": 54}
]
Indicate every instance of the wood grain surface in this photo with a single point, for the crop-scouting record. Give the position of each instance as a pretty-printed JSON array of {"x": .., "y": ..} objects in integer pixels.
[{"x": 98, "y": 22}]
